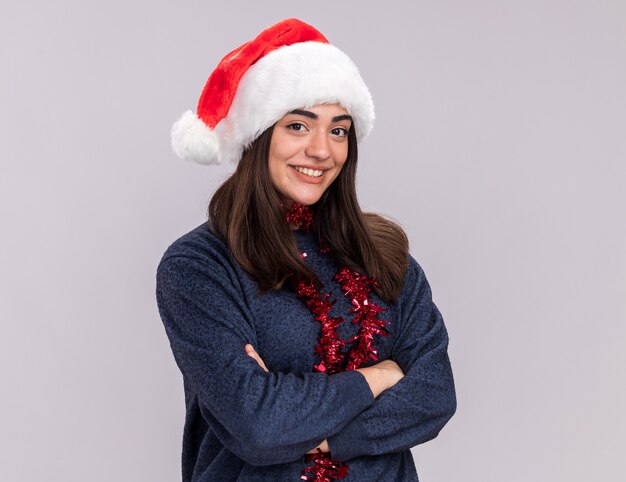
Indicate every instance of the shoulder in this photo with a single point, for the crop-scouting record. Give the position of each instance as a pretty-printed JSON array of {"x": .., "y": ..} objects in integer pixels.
[
  {"x": 386, "y": 231},
  {"x": 200, "y": 242},
  {"x": 414, "y": 269},
  {"x": 415, "y": 283},
  {"x": 198, "y": 252}
]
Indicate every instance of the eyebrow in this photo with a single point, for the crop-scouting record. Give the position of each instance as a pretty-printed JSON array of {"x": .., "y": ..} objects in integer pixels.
[{"x": 313, "y": 115}]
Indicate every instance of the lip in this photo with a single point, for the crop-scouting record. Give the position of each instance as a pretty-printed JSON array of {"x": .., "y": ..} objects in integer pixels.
[
  {"x": 315, "y": 168},
  {"x": 309, "y": 179}
]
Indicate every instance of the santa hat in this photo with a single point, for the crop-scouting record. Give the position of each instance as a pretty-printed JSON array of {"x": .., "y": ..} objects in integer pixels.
[{"x": 288, "y": 66}]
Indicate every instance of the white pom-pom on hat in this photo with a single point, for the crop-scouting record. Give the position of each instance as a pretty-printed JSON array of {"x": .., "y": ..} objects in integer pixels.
[{"x": 193, "y": 140}]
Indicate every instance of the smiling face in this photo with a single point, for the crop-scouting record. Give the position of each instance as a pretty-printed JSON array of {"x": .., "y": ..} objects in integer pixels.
[{"x": 307, "y": 151}]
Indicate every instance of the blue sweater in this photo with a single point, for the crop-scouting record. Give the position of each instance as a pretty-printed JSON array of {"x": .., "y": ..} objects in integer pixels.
[{"x": 244, "y": 424}]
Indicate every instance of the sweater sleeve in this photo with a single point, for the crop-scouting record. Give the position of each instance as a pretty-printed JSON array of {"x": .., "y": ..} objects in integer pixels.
[
  {"x": 263, "y": 418},
  {"x": 417, "y": 407}
]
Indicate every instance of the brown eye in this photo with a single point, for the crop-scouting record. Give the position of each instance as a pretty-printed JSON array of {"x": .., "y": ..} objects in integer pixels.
[
  {"x": 339, "y": 131},
  {"x": 296, "y": 126}
]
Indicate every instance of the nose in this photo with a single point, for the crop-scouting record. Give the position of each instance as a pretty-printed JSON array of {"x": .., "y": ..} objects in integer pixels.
[{"x": 318, "y": 146}]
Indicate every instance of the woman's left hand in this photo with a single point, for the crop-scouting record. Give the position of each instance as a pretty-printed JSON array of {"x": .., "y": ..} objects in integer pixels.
[{"x": 251, "y": 352}]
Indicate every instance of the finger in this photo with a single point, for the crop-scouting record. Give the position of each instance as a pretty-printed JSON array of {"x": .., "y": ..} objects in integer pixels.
[
  {"x": 260, "y": 361},
  {"x": 250, "y": 351}
]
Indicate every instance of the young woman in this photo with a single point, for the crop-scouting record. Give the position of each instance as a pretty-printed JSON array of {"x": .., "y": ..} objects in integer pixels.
[{"x": 306, "y": 334}]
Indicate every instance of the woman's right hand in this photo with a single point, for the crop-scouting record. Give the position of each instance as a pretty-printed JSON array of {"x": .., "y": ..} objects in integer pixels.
[{"x": 382, "y": 376}]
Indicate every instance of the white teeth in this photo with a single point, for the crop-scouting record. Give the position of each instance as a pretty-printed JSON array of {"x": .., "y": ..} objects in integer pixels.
[{"x": 309, "y": 172}]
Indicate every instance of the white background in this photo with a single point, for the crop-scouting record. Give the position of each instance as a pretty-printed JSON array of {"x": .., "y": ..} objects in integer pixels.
[{"x": 499, "y": 145}]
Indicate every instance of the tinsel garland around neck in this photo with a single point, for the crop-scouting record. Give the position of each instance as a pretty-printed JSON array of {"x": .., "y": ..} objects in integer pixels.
[
  {"x": 331, "y": 349},
  {"x": 300, "y": 216}
]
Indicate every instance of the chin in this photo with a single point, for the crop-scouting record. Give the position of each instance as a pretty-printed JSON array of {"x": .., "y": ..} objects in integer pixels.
[{"x": 306, "y": 200}]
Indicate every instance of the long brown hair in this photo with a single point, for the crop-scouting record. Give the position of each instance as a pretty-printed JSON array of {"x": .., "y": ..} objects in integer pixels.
[{"x": 245, "y": 213}]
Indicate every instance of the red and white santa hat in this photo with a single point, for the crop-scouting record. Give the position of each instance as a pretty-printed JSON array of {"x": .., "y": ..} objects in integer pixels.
[{"x": 290, "y": 65}]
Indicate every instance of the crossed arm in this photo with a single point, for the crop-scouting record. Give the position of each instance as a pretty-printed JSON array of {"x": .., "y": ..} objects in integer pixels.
[
  {"x": 417, "y": 397},
  {"x": 379, "y": 377},
  {"x": 207, "y": 323},
  {"x": 415, "y": 409}
]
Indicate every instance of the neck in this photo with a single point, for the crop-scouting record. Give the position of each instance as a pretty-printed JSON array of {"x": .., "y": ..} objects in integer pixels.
[{"x": 298, "y": 216}]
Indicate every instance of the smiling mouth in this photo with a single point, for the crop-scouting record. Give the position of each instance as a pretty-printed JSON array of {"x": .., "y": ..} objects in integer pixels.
[{"x": 309, "y": 172}]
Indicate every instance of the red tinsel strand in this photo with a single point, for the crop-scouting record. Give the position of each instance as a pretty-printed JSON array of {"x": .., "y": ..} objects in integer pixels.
[
  {"x": 300, "y": 216},
  {"x": 325, "y": 468},
  {"x": 330, "y": 346},
  {"x": 357, "y": 286},
  {"x": 329, "y": 349}
]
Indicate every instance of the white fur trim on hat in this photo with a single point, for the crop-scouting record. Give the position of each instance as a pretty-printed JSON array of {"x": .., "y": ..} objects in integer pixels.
[
  {"x": 293, "y": 77},
  {"x": 296, "y": 76}
]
